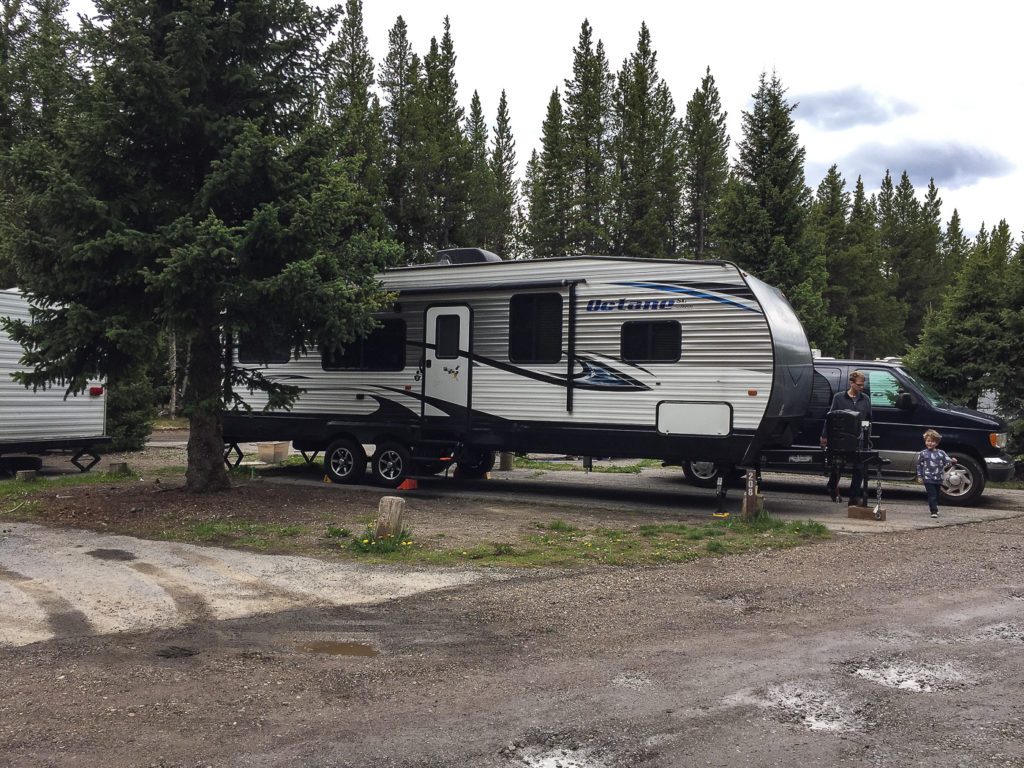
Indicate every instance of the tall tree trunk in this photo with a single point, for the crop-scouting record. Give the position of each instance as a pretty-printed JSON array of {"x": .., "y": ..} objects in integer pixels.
[{"x": 206, "y": 469}]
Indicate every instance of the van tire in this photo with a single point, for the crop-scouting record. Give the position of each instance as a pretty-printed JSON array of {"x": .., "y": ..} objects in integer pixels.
[
  {"x": 345, "y": 461},
  {"x": 970, "y": 489},
  {"x": 704, "y": 474},
  {"x": 390, "y": 463}
]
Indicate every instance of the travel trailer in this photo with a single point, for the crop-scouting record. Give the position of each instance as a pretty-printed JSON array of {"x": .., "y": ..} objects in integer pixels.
[
  {"x": 45, "y": 420},
  {"x": 584, "y": 355}
]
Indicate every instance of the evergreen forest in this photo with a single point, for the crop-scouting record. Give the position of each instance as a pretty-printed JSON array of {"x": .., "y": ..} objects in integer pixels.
[{"x": 172, "y": 171}]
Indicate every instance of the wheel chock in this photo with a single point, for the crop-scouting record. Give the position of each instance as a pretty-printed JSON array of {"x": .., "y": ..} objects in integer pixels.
[{"x": 408, "y": 485}]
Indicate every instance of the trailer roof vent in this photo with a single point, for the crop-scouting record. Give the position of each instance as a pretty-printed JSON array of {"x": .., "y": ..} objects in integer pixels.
[{"x": 465, "y": 256}]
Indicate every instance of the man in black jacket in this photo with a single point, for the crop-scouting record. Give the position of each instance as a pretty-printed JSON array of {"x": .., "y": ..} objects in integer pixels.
[{"x": 853, "y": 399}]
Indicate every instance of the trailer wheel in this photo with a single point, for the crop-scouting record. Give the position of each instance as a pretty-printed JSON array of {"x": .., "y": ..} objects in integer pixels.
[
  {"x": 704, "y": 474},
  {"x": 962, "y": 486},
  {"x": 345, "y": 461},
  {"x": 390, "y": 463},
  {"x": 475, "y": 464}
]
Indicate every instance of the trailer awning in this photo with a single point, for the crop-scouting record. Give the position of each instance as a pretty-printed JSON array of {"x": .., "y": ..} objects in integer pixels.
[{"x": 485, "y": 287}]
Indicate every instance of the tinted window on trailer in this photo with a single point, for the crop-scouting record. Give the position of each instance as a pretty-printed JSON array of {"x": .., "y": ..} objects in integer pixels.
[
  {"x": 644, "y": 341},
  {"x": 446, "y": 337},
  {"x": 382, "y": 350},
  {"x": 821, "y": 395},
  {"x": 258, "y": 348},
  {"x": 535, "y": 328}
]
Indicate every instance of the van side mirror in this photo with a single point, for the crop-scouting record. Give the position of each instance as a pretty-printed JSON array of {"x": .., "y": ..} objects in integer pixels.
[{"x": 905, "y": 401}]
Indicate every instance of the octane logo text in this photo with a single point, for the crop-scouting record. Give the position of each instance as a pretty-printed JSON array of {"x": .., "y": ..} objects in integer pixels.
[{"x": 634, "y": 305}]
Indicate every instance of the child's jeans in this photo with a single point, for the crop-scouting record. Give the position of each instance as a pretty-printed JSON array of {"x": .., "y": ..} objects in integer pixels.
[{"x": 933, "y": 496}]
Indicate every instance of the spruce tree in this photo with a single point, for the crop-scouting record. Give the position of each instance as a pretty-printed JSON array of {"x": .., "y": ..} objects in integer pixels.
[
  {"x": 502, "y": 163},
  {"x": 646, "y": 149},
  {"x": 481, "y": 185},
  {"x": 762, "y": 222},
  {"x": 194, "y": 191},
  {"x": 705, "y": 166},
  {"x": 588, "y": 118},
  {"x": 549, "y": 193}
]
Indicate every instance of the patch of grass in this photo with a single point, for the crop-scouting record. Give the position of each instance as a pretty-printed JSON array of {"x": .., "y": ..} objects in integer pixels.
[
  {"x": 522, "y": 462},
  {"x": 336, "y": 532},
  {"x": 234, "y": 531},
  {"x": 562, "y": 526}
]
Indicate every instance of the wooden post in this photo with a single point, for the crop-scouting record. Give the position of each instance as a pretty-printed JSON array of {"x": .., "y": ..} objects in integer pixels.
[
  {"x": 389, "y": 517},
  {"x": 118, "y": 468},
  {"x": 25, "y": 475},
  {"x": 506, "y": 460},
  {"x": 752, "y": 502}
]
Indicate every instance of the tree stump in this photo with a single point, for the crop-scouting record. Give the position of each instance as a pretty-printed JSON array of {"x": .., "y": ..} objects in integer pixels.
[
  {"x": 25, "y": 475},
  {"x": 506, "y": 461},
  {"x": 389, "y": 517},
  {"x": 118, "y": 468}
]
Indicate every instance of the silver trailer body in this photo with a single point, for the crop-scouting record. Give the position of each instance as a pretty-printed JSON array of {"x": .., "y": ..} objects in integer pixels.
[
  {"x": 43, "y": 420},
  {"x": 586, "y": 355}
]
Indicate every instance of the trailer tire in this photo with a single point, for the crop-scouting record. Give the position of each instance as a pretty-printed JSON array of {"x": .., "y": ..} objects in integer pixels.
[
  {"x": 475, "y": 464},
  {"x": 968, "y": 486},
  {"x": 390, "y": 463},
  {"x": 704, "y": 474},
  {"x": 345, "y": 461}
]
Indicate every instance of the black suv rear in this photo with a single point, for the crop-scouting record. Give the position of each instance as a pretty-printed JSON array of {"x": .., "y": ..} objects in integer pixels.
[{"x": 903, "y": 407}]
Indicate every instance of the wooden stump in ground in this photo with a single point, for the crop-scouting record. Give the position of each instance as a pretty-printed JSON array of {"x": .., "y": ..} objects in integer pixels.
[
  {"x": 25, "y": 475},
  {"x": 506, "y": 461},
  {"x": 389, "y": 517},
  {"x": 118, "y": 468}
]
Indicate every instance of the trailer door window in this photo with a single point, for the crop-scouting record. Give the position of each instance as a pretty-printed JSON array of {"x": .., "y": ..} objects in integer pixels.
[
  {"x": 650, "y": 341},
  {"x": 382, "y": 350},
  {"x": 446, "y": 337},
  {"x": 535, "y": 328}
]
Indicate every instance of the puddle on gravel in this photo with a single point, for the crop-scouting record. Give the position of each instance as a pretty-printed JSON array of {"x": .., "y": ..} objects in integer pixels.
[
  {"x": 548, "y": 757},
  {"x": 907, "y": 675},
  {"x": 816, "y": 709},
  {"x": 111, "y": 554},
  {"x": 336, "y": 648}
]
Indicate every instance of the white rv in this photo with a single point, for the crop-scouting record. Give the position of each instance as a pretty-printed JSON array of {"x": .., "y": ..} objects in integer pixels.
[
  {"x": 594, "y": 356},
  {"x": 45, "y": 420}
]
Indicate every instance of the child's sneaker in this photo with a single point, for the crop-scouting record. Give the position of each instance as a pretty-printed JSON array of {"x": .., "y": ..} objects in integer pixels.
[{"x": 935, "y": 514}]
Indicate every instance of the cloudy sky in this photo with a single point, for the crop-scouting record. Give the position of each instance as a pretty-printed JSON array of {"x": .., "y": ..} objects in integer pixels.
[{"x": 933, "y": 88}]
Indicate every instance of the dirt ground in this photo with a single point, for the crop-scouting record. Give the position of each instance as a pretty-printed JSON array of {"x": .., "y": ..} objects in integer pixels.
[{"x": 896, "y": 649}]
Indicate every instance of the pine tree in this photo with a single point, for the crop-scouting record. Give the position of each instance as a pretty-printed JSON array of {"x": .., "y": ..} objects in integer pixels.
[
  {"x": 506, "y": 187},
  {"x": 762, "y": 223},
  {"x": 588, "y": 105},
  {"x": 549, "y": 193},
  {"x": 353, "y": 110},
  {"x": 706, "y": 165},
  {"x": 444, "y": 156},
  {"x": 400, "y": 81},
  {"x": 646, "y": 150},
  {"x": 963, "y": 343},
  {"x": 481, "y": 183},
  {"x": 194, "y": 191}
]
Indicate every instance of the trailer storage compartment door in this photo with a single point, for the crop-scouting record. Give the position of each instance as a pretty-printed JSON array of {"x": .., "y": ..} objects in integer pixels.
[{"x": 705, "y": 419}]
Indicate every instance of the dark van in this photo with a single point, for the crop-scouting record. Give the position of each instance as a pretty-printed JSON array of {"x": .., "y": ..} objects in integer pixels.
[{"x": 903, "y": 407}]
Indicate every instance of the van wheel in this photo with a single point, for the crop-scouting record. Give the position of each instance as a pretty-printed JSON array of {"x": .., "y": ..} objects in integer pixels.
[
  {"x": 963, "y": 485},
  {"x": 390, "y": 463},
  {"x": 475, "y": 464},
  {"x": 704, "y": 474},
  {"x": 345, "y": 461}
]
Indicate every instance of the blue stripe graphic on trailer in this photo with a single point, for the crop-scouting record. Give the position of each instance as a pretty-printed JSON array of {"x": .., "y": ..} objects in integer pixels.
[{"x": 692, "y": 292}]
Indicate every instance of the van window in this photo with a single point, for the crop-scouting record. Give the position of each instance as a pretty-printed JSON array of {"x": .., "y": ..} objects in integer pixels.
[
  {"x": 882, "y": 388},
  {"x": 821, "y": 395},
  {"x": 535, "y": 328},
  {"x": 644, "y": 341},
  {"x": 382, "y": 350}
]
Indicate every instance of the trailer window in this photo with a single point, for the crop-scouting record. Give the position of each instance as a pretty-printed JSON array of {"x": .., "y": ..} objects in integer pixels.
[
  {"x": 535, "y": 328},
  {"x": 446, "y": 337},
  {"x": 382, "y": 350},
  {"x": 262, "y": 349},
  {"x": 644, "y": 341}
]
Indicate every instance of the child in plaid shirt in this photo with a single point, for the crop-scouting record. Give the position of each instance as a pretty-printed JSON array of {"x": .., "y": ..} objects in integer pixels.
[{"x": 930, "y": 462}]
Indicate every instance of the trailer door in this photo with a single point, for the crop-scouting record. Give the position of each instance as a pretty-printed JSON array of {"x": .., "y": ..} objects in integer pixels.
[{"x": 446, "y": 374}]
